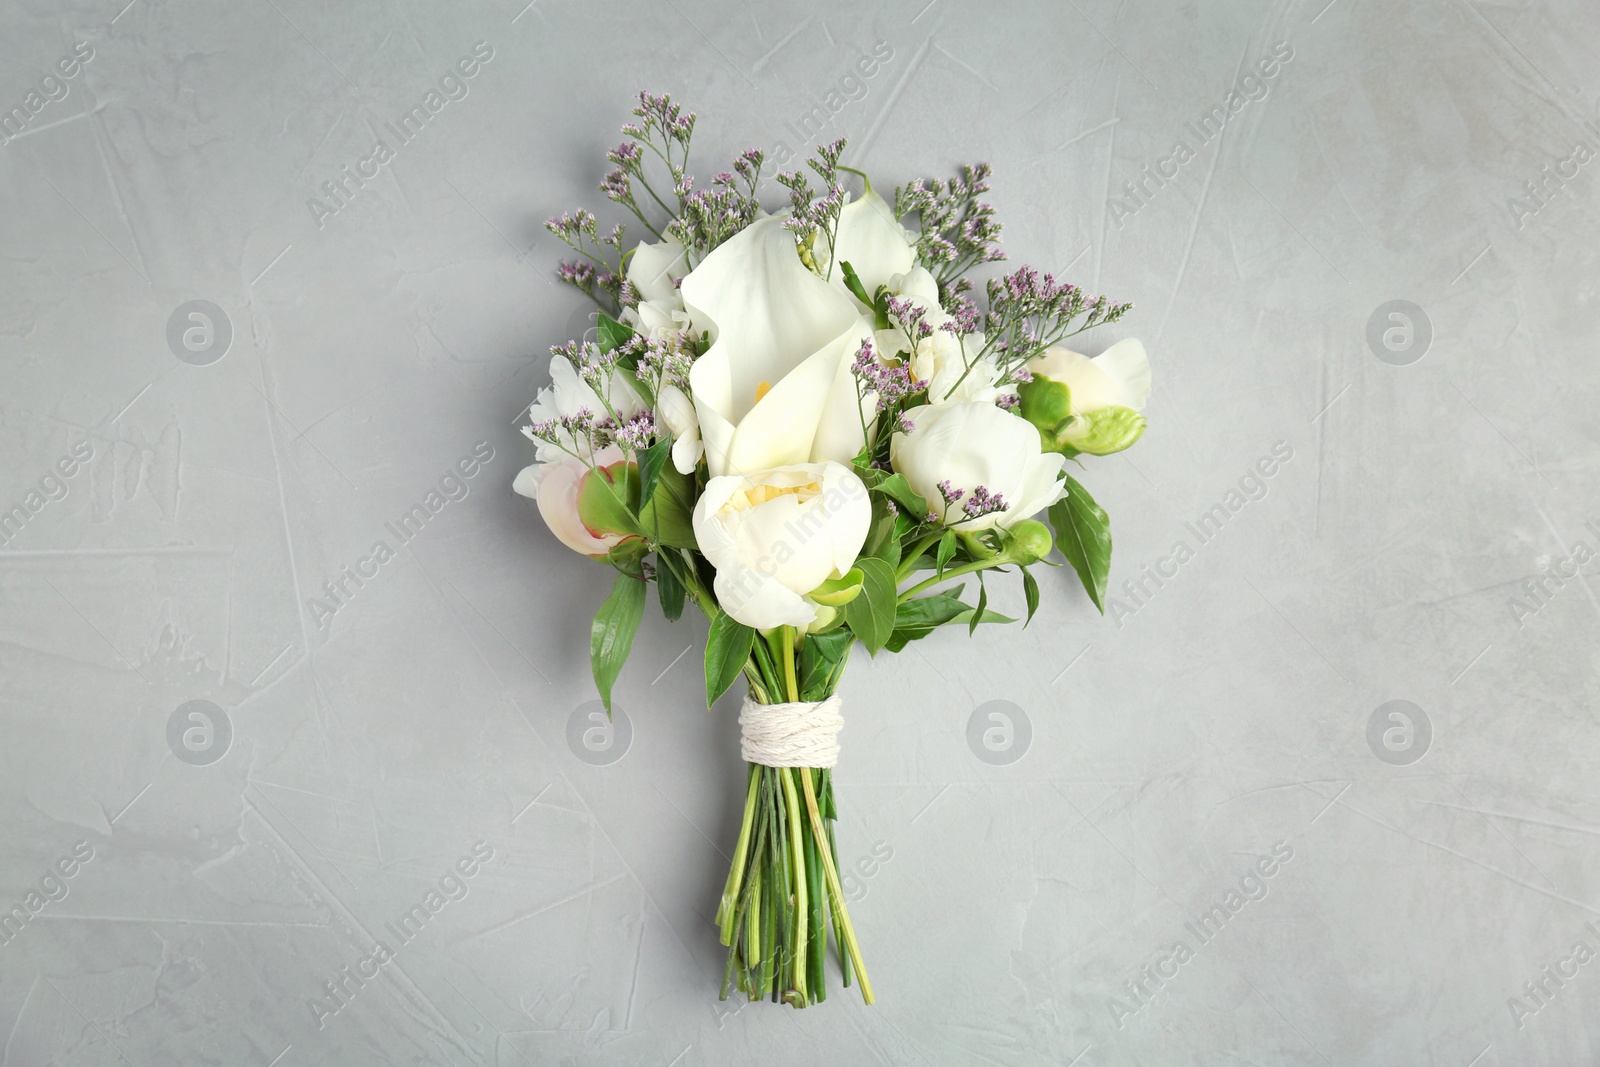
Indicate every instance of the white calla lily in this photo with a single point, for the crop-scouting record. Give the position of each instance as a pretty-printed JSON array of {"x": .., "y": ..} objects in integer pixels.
[
  {"x": 775, "y": 386},
  {"x": 872, "y": 241}
]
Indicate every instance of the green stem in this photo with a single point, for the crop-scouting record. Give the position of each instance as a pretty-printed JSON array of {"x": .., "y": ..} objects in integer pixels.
[
  {"x": 851, "y": 946},
  {"x": 730, "y": 892},
  {"x": 954, "y": 572},
  {"x": 908, "y": 562},
  {"x": 788, "y": 664},
  {"x": 798, "y": 882}
]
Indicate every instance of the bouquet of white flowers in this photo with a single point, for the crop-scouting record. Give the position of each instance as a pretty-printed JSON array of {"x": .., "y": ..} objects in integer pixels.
[{"x": 804, "y": 423}]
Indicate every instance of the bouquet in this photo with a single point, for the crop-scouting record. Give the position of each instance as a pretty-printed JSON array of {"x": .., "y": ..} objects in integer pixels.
[{"x": 803, "y": 421}]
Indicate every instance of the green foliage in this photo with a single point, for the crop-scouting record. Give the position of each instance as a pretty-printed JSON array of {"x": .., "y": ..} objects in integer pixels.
[
  {"x": 1083, "y": 531},
  {"x": 727, "y": 650},
  {"x": 871, "y": 615},
  {"x": 611, "y": 635}
]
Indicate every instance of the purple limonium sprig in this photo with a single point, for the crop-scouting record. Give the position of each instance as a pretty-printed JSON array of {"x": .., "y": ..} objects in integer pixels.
[
  {"x": 638, "y": 432},
  {"x": 981, "y": 502},
  {"x": 811, "y": 215},
  {"x": 891, "y": 382},
  {"x": 959, "y": 230}
]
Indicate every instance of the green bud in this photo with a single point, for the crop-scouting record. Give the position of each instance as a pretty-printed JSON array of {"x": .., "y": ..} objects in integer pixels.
[
  {"x": 1047, "y": 404},
  {"x": 827, "y": 619},
  {"x": 1104, "y": 431},
  {"x": 837, "y": 592},
  {"x": 1030, "y": 541}
]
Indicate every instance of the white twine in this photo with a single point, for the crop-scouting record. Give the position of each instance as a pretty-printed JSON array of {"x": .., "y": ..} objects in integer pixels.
[{"x": 790, "y": 735}]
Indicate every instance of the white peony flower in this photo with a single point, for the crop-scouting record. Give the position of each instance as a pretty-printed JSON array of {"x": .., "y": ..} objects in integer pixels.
[
  {"x": 775, "y": 387},
  {"x": 941, "y": 361},
  {"x": 975, "y": 449},
  {"x": 554, "y": 486},
  {"x": 568, "y": 395},
  {"x": 775, "y": 535}
]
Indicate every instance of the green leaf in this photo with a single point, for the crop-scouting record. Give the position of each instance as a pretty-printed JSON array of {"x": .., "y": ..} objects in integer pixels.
[
  {"x": 928, "y": 612},
  {"x": 1083, "y": 533},
  {"x": 669, "y": 514},
  {"x": 988, "y": 616},
  {"x": 821, "y": 656},
  {"x": 871, "y": 615},
  {"x": 922, "y": 616},
  {"x": 727, "y": 648},
  {"x": 896, "y": 486},
  {"x": 669, "y": 587},
  {"x": 611, "y": 635},
  {"x": 603, "y": 497},
  {"x": 1030, "y": 589},
  {"x": 977, "y": 613},
  {"x": 947, "y": 549},
  {"x": 883, "y": 540},
  {"x": 651, "y": 460},
  {"x": 613, "y": 334},
  {"x": 837, "y": 592}
]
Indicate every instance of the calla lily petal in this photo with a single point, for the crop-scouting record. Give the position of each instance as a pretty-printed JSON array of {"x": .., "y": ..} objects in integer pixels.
[
  {"x": 872, "y": 241},
  {"x": 769, "y": 317}
]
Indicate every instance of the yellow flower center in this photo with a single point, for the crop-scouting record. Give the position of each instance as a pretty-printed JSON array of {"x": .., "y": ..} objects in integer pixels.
[
  {"x": 765, "y": 493},
  {"x": 762, "y": 389}
]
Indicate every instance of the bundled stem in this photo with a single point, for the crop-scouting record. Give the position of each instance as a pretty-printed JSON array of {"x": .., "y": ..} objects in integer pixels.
[{"x": 783, "y": 893}]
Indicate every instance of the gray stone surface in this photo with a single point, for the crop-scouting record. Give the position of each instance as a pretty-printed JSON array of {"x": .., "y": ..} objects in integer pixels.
[{"x": 242, "y": 853}]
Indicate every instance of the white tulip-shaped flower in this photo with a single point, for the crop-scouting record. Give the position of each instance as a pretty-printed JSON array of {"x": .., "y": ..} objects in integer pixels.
[
  {"x": 776, "y": 535},
  {"x": 554, "y": 486},
  {"x": 977, "y": 465},
  {"x": 1089, "y": 405},
  {"x": 568, "y": 395}
]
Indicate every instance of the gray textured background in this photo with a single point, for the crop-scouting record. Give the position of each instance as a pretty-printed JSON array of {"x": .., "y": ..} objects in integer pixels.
[{"x": 1002, "y": 907}]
